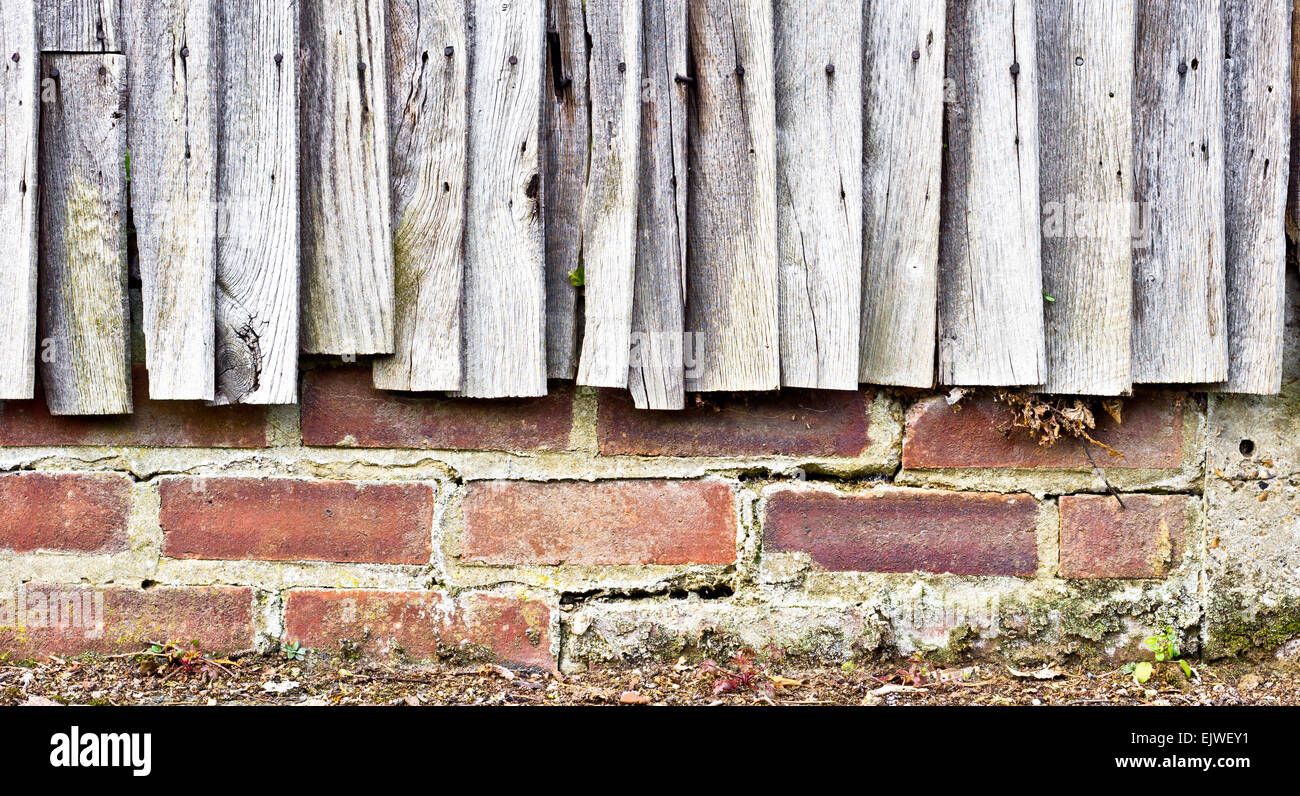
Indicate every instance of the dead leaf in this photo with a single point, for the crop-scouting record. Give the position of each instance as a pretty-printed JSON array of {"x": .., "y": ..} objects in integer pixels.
[
  {"x": 1045, "y": 673},
  {"x": 499, "y": 671},
  {"x": 40, "y": 701},
  {"x": 633, "y": 698},
  {"x": 785, "y": 682},
  {"x": 897, "y": 689}
]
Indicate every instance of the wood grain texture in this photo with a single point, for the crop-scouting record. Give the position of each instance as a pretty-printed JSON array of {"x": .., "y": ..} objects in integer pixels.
[
  {"x": 257, "y": 188},
  {"x": 173, "y": 134},
  {"x": 732, "y": 294},
  {"x": 1179, "y": 310},
  {"x": 347, "y": 240},
  {"x": 1085, "y": 67},
  {"x": 85, "y": 325},
  {"x": 1293, "y": 197},
  {"x": 1257, "y": 66},
  {"x": 990, "y": 278},
  {"x": 819, "y": 191},
  {"x": 428, "y": 67},
  {"x": 504, "y": 308},
  {"x": 566, "y": 137},
  {"x": 655, "y": 376},
  {"x": 20, "y": 111},
  {"x": 86, "y": 26},
  {"x": 903, "y": 89}
]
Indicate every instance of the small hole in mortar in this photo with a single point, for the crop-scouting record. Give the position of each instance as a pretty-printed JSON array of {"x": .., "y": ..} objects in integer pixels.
[{"x": 1247, "y": 447}]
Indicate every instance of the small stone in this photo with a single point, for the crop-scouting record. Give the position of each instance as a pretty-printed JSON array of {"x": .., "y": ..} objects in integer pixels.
[
  {"x": 633, "y": 698},
  {"x": 1248, "y": 682}
]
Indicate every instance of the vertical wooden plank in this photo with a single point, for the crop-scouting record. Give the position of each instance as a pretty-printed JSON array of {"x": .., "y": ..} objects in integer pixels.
[
  {"x": 428, "y": 66},
  {"x": 1257, "y": 68},
  {"x": 1293, "y": 200},
  {"x": 504, "y": 309},
  {"x": 84, "y": 26},
  {"x": 567, "y": 134},
  {"x": 655, "y": 376},
  {"x": 257, "y": 189},
  {"x": 20, "y": 111},
  {"x": 1179, "y": 310},
  {"x": 85, "y": 323},
  {"x": 819, "y": 191},
  {"x": 990, "y": 278},
  {"x": 347, "y": 242},
  {"x": 1085, "y": 66},
  {"x": 609, "y": 203},
  {"x": 173, "y": 131},
  {"x": 903, "y": 67},
  {"x": 732, "y": 294}
]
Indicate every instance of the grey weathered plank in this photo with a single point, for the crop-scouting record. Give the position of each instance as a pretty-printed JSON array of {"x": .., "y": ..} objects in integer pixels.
[
  {"x": 173, "y": 135},
  {"x": 428, "y": 65},
  {"x": 504, "y": 308},
  {"x": 1085, "y": 65},
  {"x": 20, "y": 111},
  {"x": 819, "y": 191},
  {"x": 347, "y": 242},
  {"x": 1257, "y": 68},
  {"x": 903, "y": 68},
  {"x": 990, "y": 279},
  {"x": 1179, "y": 311},
  {"x": 1293, "y": 196},
  {"x": 732, "y": 290},
  {"x": 655, "y": 376},
  {"x": 609, "y": 202},
  {"x": 84, "y": 325},
  {"x": 257, "y": 188},
  {"x": 566, "y": 137},
  {"x": 87, "y": 26}
]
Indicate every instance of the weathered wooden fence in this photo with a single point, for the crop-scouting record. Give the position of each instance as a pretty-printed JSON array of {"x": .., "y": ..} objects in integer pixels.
[{"x": 667, "y": 196}]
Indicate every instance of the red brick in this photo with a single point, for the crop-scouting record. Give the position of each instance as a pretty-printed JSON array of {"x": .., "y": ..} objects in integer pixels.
[
  {"x": 791, "y": 423},
  {"x": 340, "y": 407},
  {"x": 174, "y": 424},
  {"x": 66, "y": 512},
  {"x": 66, "y": 620},
  {"x": 602, "y": 523},
  {"x": 280, "y": 519},
  {"x": 964, "y": 533},
  {"x": 423, "y": 625},
  {"x": 979, "y": 433},
  {"x": 1142, "y": 539}
]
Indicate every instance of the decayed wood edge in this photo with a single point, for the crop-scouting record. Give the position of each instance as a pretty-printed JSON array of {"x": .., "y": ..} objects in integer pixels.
[
  {"x": 346, "y": 204},
  {"x": 1257, "y": 65},
  {"x": 990, "y": 276},
  {"x": 819, "y": 191},
  {"x": 566, "y": 133},
  {"x": 84, "y": 316},
  {"x": 257, "y": 188},
  {"x": 902, "y": 80},
  {"x": 732, "y": 296},
  {"x": 1085, "y": 58},
  {"x": 504, "y": 309},
  {"x": 609, "y": 202},
  {"x": 173, "y": 132},
  {"x": 20, "y": 111},
  {"x": 81, "y": 26},
  {"x": 428, "y": 59},
  {"x": 1179, "y": 303},
  {"x": 655, "y": 376}
]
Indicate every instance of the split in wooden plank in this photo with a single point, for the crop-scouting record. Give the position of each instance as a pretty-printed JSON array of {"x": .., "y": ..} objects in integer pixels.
[
  {"x": 173, "y": 135},
  {"x": 20, "y": 113},
  {"x": 567, "y": 135},
  {"x": 990, "y": 278},
  {"x": 1179, "y": 309},
  {"x": 428, "y": 65},
  {"x": 85, "y": 326},
  {"x": 1257, "y": 67},
  {"x": 732, "y": 293},
  {"x": 80, "y": 26},
  {"x": 609, "y": 202},
  {"x": 347, "y": 242},
  {"x": 504, "y": 308},
  {"x": 1085, "y": 121},
  {"x": 257, "y": 190},
  {"x": 819, "y": 191},
  {"x": 655, "y": 376},
  {"x": 903, "y": 87}
]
